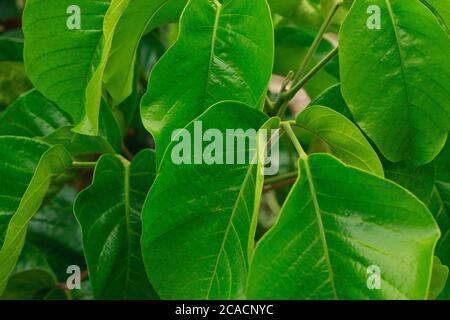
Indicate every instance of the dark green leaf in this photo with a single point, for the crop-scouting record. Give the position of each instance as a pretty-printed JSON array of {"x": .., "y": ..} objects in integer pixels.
[
  {"x": 31, "y": 275},
  {"x": 109, "y": 215}
]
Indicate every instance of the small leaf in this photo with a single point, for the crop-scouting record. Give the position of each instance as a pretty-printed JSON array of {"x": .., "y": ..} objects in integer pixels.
[
  {"x": 344, "y": 138},
  {"x": 336, "y": 223},
  {"x": 438, "y": 279},
  {"x": 232, "y": 60},
  {"x": 396, "y": 79},
  {"x": 31, "y": 275},
  {"x": 199, "y": 219},
  {"x": 109, "y": 215},
  {"x": 26, "y": 171}
]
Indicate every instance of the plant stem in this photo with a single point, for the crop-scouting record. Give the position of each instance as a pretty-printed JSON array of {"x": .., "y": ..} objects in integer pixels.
[
  {"x": 127, "y": 153},
  {"x": 288, "y": 95},
  {"x": 281, "y": 177},
  {"x": 287, "y": 127},
  {"x": 84, "y": 164},
  {"x": 312, "y": 50},
  {"x": 284, "y": 97}
]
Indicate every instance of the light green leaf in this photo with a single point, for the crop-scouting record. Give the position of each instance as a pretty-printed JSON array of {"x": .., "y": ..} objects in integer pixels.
[
  {"x": 438, "y": 279},
  {"x": 344, "y": 138},
  {"x": 396, "y": 80},
  {"x": 140, "y": 17},
  {"x": 337, "y": 222},
  {"x": 441, "y": 10},
  {"x": 67, "y": 65},
  {"x": 199, "y": 220},
  {"x": 232, "y": 60},
  {"x": 26, "y": 171},
  {"x": 109, "y": 215},
  {"x": 31, "y": 275}
]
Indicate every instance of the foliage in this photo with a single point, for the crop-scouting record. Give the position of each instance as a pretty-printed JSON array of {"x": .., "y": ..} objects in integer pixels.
[{"x": 93, "y": 110}]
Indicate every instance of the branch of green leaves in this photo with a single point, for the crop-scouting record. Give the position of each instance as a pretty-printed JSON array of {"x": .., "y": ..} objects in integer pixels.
[{"x": 292, "y": 84}]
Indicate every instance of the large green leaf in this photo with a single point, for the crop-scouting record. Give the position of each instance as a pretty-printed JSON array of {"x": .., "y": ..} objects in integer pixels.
[
  {"x": 34, "y": 116},
  {"x": 232, "y": 60},
  {"x": 66, "y": 65},
  {"x": 344, "y": 138},
  {"x": 336, "y": 223},
  {"x": 396, "y": 80},
  {"x": 199, "y": 219},
  {"x": 140, "y": 17},
  {"x": 26, "y": 170},
  {"x": 31, "y": 276},
  {"x": 109, "y": 215}
]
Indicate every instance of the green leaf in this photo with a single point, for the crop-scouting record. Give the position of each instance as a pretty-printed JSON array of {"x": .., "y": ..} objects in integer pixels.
[
  {"x": 11, "y": 48},
  {"x": 418, "y": 180},
  {"x": 140, "y": 17},
  {"x": 199, "y": 220},
  {"x": 31, "y": 275},
  {"x": 441, "y": 10},
  {"x": 332, "y": 98},
  {"x": 344, "y": 138},
  {"x": 13, "y": 82},
  {"x": 396, "y": 80},
  {"x": 438, "y": 279},
  {"x": 55, "y": 231},
  {"x": 109, "y": 215},
  {"x": 26, "y": 171},
  {"x": 34, "y": 116},
  {"x": 300, "y": 13},
  {"x": 440, "y": 206},
  {"x": 66, "y": 65},
  {"x": 336, "y": 223},
  {"x": 232, "y": 60}
]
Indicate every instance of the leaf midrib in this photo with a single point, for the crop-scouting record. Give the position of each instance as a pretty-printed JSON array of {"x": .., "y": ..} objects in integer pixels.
[
  {"x": 402, "y": 67},
  {"x": 317, "y": 211}
]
